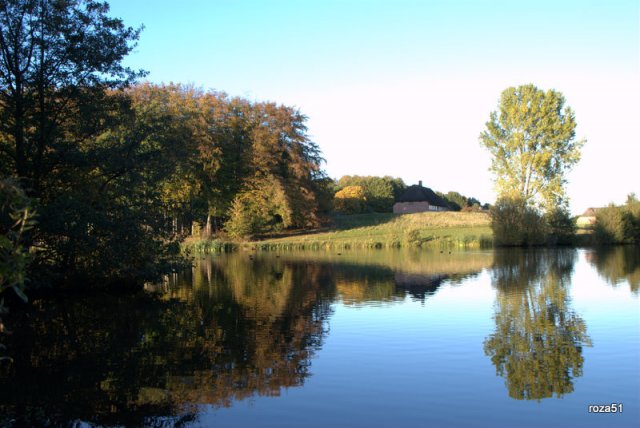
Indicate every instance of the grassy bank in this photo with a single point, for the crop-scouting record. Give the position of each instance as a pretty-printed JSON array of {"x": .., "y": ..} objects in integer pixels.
[{"x": 444, "y": 230}]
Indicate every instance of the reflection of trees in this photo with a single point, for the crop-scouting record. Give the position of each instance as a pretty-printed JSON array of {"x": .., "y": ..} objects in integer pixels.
[
  {"x": 419, "y": 262},
  {"x": 364, "y": 277},
  {"x": 618, "y": 264},
  {"x": 233, "y": 327},
  {"x": 537, "y": 344},
  {"x": 225, "y": 333}
]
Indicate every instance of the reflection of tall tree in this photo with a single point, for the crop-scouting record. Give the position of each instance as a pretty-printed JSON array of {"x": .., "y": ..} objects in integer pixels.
[
  {"x": 617, "y": 264},
  {"x": 537, "y": 344}
]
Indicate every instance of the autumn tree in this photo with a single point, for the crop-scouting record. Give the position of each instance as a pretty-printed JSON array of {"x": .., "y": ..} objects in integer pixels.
[
  {"x": 262, "y": 207},
  {"x": 350, "y": 200},
  {"x": 531, "y": 138}
]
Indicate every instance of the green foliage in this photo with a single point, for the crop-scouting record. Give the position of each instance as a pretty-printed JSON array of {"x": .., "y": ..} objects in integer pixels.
[
  {"x": 93, "y": 158},
  {"x": 380, "y": 192},
  {"x": 458, "y": 202},
  {"x": 515, "y": 224},
  {"x": 454, "y": 199},
  {"x": 532, "y": 141},
  {"x": 560, "y": 227},
  {"x": 350, "y": 200},
  {"x": 54, "y": 54},
  {"x": 632, "y": 208},
  {"x": 324, "y": 188},
  {"x": 17, "y": 218},
  {"x": 264, "y": 207},
  {"x": 618, "y": 224}
]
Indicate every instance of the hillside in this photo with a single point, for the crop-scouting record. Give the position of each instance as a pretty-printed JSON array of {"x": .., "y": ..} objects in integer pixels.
[{"x": 440, "y": 229}]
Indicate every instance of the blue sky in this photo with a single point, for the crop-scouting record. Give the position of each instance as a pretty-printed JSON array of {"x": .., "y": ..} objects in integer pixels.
[{"x": 403, "y": 88}]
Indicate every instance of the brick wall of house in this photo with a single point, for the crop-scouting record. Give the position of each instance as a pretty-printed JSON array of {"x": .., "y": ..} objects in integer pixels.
[{"x": 411, "y": 207}]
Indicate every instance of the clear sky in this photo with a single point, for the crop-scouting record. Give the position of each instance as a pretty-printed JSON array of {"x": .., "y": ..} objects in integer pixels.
[{"x": 404, "y": 88}]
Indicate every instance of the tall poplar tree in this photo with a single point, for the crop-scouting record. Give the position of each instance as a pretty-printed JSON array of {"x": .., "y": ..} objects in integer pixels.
[{"x": 532, "y": 140}]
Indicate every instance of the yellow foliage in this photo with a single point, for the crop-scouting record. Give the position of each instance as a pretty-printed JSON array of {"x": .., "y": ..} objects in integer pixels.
[
  {"x": 350, "y": 200},
  {"x": 351, "y": 192}
]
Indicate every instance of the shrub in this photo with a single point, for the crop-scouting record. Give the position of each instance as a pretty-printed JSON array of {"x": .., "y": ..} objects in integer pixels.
[
  {"x": 619, "y": 224},
  {"x": 633, "y": 211},
  {"x": 561, "y": 229},
  {"x": 515, "y": 224},
  {"x": 611, "y": 225}
]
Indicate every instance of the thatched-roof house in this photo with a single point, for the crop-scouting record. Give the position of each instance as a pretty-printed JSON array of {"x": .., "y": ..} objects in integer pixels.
[
  {"x": 418, "y": 199},
  {"x": 587, "y": 218}
]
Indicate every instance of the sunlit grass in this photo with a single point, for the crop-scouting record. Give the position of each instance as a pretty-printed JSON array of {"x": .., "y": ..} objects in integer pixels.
[
  {"x": 442, "y": 229},
  {"x": 432, "y": 230}
]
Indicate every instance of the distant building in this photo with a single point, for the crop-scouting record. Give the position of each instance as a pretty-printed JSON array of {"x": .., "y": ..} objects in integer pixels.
[
  {"x": 417, "y": 199},
  {"x": 587, "y": 218}
]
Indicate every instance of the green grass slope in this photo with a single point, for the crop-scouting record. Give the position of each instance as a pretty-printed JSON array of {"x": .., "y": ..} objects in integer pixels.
[{"x": 431, "y": 229}]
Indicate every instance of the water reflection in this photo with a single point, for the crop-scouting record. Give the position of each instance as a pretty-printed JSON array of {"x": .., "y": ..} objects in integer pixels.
[
  {"x": 233, "y": 327},
  {"x": 250, "y": 325},
  {"x": 217, "y": 336},
  {"x": 378, "y": 277},
  {"x": 617, "y": 265},
  {"x": 538, "y": 340}
]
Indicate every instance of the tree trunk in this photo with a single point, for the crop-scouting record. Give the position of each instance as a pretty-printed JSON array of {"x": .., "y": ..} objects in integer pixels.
[
  {"x": 21, "y": 159},
  {"x": 207, "y": 228}
]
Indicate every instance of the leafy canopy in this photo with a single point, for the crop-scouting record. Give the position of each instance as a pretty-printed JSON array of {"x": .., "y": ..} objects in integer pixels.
[
  {"x": 350, "y": 200},
  {"x": 532, "y": 140}
]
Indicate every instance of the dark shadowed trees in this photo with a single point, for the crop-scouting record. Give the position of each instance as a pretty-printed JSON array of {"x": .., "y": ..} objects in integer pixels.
[
  {"x": 121, "y": 172},
  {"x": 57, "y": 59}
]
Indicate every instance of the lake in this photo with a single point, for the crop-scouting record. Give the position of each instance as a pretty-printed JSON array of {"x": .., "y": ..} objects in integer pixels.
[{"x": 374, "y": 339}]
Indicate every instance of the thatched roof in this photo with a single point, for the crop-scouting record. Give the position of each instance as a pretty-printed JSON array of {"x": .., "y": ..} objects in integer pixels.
[
  {"x": 418, "y": 193},
  {"x": 590, "y": 212}
]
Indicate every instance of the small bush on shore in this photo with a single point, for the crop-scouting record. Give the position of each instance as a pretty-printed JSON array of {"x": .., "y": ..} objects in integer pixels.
[
  {"x": 516, "y": 224},
  {"x": 619, "y": 224}
]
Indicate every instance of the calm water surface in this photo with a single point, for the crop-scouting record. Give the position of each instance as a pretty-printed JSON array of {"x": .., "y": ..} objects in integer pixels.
[{"x": 375, "y": 339}]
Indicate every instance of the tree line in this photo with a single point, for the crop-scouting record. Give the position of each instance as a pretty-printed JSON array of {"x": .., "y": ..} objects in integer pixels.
[
  {"x": 162, "y": 162},
  {"x": 118, "y": 172},
  {"x": 354, "y": 194}
]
